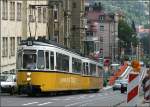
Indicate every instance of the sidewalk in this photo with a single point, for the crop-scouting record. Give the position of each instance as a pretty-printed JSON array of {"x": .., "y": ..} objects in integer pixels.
[
  {"x": 140, "y": 103},
  {"x": 107, "y": 87}
]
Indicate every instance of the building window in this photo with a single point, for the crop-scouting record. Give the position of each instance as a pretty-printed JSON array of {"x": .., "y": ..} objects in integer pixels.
[
  {"x": 5, "y": 47},
  {"x": 89, "y": 33},
  {"x": 44, "y": 15},
  {"x": 5, "y": 10},
  {"x": 18, "y": 40},
  {"x": 101, "y": 28},
  {"x": 19, "y": 11},
  {"x": 101, "y": 18},
  {"x": 39, "y": 15},
  {"x": 12, "y": 10},
  {"x": 74, "y": 5},
  {"x": 31, "y": 13},
  {"x": 12, "y": 46}
]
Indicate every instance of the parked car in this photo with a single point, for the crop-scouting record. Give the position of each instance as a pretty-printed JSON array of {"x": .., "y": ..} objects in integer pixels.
[
  {"x": 8, "y": 83},
  {"x": 123, "y": 88},
  {"x": 118, "y": 83}
]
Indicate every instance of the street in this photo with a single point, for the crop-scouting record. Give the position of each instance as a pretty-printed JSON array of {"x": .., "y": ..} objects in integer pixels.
[{"x": 102, "y": 98}]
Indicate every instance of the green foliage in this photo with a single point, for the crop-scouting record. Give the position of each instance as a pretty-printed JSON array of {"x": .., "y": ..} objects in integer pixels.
[
  {"x": 146, "y": 43},
  {"x": 147, "y": 26},
  {"x": 126, "y": 34}
]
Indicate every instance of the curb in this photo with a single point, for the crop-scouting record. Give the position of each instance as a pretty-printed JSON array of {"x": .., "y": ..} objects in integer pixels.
[
  {"x": 107, "y": 88},
  {"x": 118, "y": 104}
]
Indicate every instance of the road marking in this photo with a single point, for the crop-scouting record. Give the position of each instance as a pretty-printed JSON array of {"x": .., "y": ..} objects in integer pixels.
[
  {"x": 67, "y": 99},
  {"x": 83, "y": 105},
  {"x": 85, "y": 102},
  {"x": 55, "y": 99},
  {"x": 29, "y": 103},
  {"x": 92, "y": 96},
  {"x": 71, "y": 97},
  {"x": 81, "y": 97},
  {"x": 44, "y": 103}
]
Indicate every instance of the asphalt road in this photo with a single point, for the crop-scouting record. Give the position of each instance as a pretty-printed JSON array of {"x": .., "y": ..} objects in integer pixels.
[{"x": 104, "y": 98}]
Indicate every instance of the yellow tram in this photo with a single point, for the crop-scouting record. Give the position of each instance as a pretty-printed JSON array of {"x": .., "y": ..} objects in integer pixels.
[{"x": 45, "y": 67}]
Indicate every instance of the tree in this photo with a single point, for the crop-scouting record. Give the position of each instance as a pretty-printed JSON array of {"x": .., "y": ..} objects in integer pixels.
[
  {"x": 127, "y": 34},
  {"x": 146, "y": 43}
]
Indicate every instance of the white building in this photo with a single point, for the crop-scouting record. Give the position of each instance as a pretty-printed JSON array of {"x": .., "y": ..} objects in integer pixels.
[{"x": 19, "y": 20}]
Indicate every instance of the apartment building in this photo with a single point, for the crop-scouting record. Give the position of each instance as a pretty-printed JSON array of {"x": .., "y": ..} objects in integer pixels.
[
  {"x": 19, "y": 20},
  {"x": 102, "y": 33},
  {"x": 66, "y": 23}
]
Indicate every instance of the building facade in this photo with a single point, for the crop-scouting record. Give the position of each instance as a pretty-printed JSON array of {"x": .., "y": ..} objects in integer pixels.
[
  {"x": 19, "y": 20},
  {"x": 102, "y": 33},
  {"x": 66, "y": 23}
]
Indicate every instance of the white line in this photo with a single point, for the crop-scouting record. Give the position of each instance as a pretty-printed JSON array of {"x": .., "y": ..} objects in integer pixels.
[
  {"x": 67, "y": 99},
  {"x": 71, "y": 97},
  {"x": 92, "y": 96},
  {"x": 29, "y": 103},
  {"x": 85, "y": 102},
  {"x": 44, "y": 103},
  {"x": 78, "y": 98},
  {"x": 55, "y": 99}
]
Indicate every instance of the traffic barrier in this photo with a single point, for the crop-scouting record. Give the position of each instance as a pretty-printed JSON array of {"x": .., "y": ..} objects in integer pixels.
[
  {"x": 117, "y": 74},
  {"x": 133, "y": 89},
  {"x": 147, "y": 90}
]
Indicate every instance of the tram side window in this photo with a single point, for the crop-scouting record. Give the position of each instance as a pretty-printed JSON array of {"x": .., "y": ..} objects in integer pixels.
[
  {"x": 40, "y": 64},
  {"x": 85, "y": 68},
  {"x": 93, "y": 69},
  {"x": 59, "y": 61},
  {"x": 47, "y": 59},
  {"x": 62, "y": 62},
  {"x": 65, "y": 62},
  {"x": 100, "y": 70},
  {"x": 52, "y": 60},
  {"x": 76, "y": 65}
]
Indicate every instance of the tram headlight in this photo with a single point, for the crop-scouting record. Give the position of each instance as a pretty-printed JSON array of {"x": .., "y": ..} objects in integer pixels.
[
  {"x": 28, "y": 73},
  {"x": 28, "y": 78}
]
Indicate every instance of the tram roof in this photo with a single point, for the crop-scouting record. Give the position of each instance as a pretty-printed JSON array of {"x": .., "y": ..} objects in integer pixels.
[{"x": 46, "y": 42}]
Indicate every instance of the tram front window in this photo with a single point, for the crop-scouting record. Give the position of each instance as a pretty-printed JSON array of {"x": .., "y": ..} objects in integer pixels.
[{"x": 29, "y": 61}]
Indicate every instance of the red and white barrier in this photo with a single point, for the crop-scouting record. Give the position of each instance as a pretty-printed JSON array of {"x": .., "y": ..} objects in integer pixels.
[
  {"x": 147, "y": 91},
  {"x": 133, "y": 89}
]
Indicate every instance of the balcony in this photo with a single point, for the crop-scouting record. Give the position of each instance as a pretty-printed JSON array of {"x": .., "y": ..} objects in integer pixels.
[{"x": 90, "y": 38}]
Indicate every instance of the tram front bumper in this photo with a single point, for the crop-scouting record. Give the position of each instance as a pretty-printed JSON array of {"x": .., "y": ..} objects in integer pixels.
[{"x": 26, "y": 89}]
